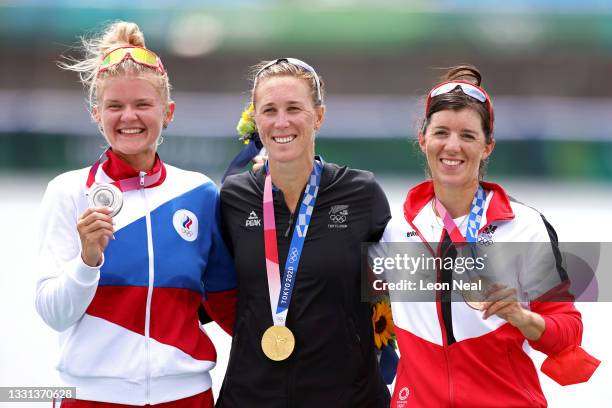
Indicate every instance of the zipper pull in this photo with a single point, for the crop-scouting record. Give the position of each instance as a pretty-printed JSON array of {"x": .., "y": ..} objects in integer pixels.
[
  {"x": 142, "y": 179},
  {"x": 289, "y": 226}
]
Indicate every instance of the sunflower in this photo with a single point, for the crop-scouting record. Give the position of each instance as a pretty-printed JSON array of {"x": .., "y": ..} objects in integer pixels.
[
  {"x": 382, "y": 322},
  {"x": 246, "y": 125}
]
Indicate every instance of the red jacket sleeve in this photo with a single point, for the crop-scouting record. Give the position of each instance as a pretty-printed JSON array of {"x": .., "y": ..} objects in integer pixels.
[{"x": 221, "y": 307}]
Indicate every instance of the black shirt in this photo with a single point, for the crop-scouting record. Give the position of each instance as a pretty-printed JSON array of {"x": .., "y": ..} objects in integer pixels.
[{"x": 334, "y": 363}]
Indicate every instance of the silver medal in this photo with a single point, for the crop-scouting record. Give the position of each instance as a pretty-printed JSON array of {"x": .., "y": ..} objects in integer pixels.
[{"x": 106, "y": 195}]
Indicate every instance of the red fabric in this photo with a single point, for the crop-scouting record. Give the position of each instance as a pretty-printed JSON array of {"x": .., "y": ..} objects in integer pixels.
[
  {"x": 117, "y": 169},
  {"x": 174, "y": 316},
  {"x": 421, "y": 194},
  {"x": 202, "y": 400},
  {"x": 174, "y": 321},
  {"x": 122, "y": 305},
  {"x": 571, "y": 366},
  {"x": 489, "y": 371},
  {"x": 221, "y": 307}
]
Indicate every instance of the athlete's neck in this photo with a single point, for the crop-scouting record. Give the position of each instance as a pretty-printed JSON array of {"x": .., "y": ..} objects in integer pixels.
[
  {"x": 291, "y": 178},
  {"x": 456, "y": 200}
]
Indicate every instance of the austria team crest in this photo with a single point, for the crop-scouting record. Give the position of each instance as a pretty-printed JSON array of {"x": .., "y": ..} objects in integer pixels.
[{"x": 186, "y": 224}]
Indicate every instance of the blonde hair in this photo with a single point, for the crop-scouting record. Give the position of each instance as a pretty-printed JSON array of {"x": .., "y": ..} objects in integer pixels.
[
  {"x": 284, "y": 68},
  {"x": 117, "y": 34}
]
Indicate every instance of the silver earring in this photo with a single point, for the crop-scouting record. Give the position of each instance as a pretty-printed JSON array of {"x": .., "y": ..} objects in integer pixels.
[{"x": 160, "y": 140}]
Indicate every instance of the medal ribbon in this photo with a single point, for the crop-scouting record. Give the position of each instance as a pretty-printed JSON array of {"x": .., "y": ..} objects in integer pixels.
[
  {"x": 132, "y": 183},
  {"x": 277, "y": 297},
  {"x": 474, "y": 219}
]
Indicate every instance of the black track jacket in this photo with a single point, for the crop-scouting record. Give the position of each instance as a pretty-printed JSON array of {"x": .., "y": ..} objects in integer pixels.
[{"x": 334, "y": 363}]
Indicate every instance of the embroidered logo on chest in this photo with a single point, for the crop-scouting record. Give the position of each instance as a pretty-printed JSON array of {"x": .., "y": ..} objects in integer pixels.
[
  {"x": 186, "y": 224},
  {"x": 486, "y": 236},
  {"x": 338, "y": 216},
  {"x": 252, "y": 220}
]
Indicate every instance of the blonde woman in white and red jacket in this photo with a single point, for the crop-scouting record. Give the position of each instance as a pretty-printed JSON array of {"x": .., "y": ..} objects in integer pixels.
[
  {"x": 454, "y": 354},
  {"x": 130, "y": 246}
]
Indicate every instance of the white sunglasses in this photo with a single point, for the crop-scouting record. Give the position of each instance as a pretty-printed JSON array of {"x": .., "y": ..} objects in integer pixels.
[
  {"x": 467, "y": 88},
  {"x": 296, "y": 62}
]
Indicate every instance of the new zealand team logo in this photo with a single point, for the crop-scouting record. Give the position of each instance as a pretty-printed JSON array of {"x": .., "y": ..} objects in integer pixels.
[
  {"x": 338, "y": 215},
  {"x": 186, "y": 224}
]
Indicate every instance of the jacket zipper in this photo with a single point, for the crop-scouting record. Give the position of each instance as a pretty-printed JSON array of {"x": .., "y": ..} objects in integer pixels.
[
  {"x": 289, "y": 226},
  {"x": 147, "y": 330},
  {"x": 443, "y": 329}
]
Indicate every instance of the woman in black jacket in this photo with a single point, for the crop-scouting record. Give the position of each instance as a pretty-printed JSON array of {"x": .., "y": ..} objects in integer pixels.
[{"x": 303, "y": 337}]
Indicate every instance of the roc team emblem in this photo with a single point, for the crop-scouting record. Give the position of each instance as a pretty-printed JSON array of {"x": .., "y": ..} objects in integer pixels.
[{"x": 186, "y": 224}]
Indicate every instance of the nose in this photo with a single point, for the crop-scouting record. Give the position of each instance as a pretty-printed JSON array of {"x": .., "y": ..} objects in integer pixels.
[
  {"x": 128, "y": 114},
  {"x": 281, "y": 121},
  {"x": 453, "y": 143}
]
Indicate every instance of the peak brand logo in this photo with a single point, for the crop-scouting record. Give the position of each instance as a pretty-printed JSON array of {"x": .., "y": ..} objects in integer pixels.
[
  {"x": 186, "y": 224},
  {"x": 252, "y": 220},
  {"x": 338, "y": 215}
]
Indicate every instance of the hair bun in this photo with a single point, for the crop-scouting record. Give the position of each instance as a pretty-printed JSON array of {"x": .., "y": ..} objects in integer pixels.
[
  {"x": 466, "y": 72},
  {"x": 119, "y": 34}
]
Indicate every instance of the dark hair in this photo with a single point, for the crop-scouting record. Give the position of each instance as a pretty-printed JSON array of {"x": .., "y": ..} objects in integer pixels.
[{"x": 457, "y": 100}]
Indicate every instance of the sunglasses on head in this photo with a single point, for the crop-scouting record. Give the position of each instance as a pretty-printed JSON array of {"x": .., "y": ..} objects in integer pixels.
[
  {"x": 467, "y": 88},
  {"x": 298, "y": 63},
  {"x": 139, "y": 55}
]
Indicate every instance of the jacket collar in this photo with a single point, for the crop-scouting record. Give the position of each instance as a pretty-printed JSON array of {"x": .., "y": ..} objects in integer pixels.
[
  {"x": 420, "y": 195},
  {"x": 117, "y": 169}
]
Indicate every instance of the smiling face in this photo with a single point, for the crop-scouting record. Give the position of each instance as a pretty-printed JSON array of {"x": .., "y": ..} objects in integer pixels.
[
  {"x": 454, "y": 144},
  {"x": 286, "y": 118},
  {"x": 132, "y": 114}
]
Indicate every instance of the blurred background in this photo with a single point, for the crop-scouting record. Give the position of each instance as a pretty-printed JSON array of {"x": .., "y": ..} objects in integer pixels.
[{"x": 547, "y": 65}]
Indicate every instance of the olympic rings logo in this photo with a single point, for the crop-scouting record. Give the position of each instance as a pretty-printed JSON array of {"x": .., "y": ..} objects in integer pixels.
[
  {"x": 485, "y": 241},
  {"x": 337, "y": 219},
  {"x": 293, "y": 254}
]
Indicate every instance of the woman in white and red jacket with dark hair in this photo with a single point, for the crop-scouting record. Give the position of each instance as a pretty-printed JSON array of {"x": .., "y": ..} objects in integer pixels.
[{"x": 455, "y": 354}]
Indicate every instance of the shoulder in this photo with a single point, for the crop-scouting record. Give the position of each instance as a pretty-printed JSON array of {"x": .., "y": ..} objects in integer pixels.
[
  {"x": 241, "y": 185},
  {"x": 187, "y": 175},
  {"x": 529, "y": 224},
  {"x": 185, "y": 180},
  {"x": 342, "y": 177}
]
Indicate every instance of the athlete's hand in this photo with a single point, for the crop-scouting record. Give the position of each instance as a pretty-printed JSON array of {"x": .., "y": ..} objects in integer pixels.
[
  {"x": 258, "y": 162},
  {"x": 502, "y": 301},
  {"x": 95, "y": 229}
]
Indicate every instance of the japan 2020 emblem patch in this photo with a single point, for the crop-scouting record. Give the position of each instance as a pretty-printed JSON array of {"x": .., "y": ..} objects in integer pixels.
[{"x": 186, "y": 224}]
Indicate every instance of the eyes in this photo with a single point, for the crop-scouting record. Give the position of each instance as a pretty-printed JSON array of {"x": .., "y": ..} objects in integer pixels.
[
  {"x": 117, "y": 106},
  {"x": 269, "y": 110},
  {"x": 441, "y": 133}
]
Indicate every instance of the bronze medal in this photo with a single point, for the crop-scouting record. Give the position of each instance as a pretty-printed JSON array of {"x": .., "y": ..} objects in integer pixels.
[
  {"x": 277, "y": 343},
  {"x": 476, "y": 298}
]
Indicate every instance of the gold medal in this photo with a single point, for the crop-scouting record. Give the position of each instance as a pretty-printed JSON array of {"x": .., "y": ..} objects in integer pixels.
[{"x": 277, "y": 343}]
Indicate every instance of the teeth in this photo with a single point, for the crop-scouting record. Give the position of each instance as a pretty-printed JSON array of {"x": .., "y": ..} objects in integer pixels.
[
  {"x": 283, "y": 140},
  {"x": 451, "y": 162},
  {"x": 130, "y": 131}
]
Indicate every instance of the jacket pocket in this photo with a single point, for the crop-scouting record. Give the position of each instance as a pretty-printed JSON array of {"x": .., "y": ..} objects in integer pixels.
[{"x": 518, "y": 379}]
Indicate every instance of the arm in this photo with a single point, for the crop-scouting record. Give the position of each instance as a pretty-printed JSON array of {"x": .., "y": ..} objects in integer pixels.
[
  {"x": 67, "y": 284},
  {"x": 220, "y": 277}
]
